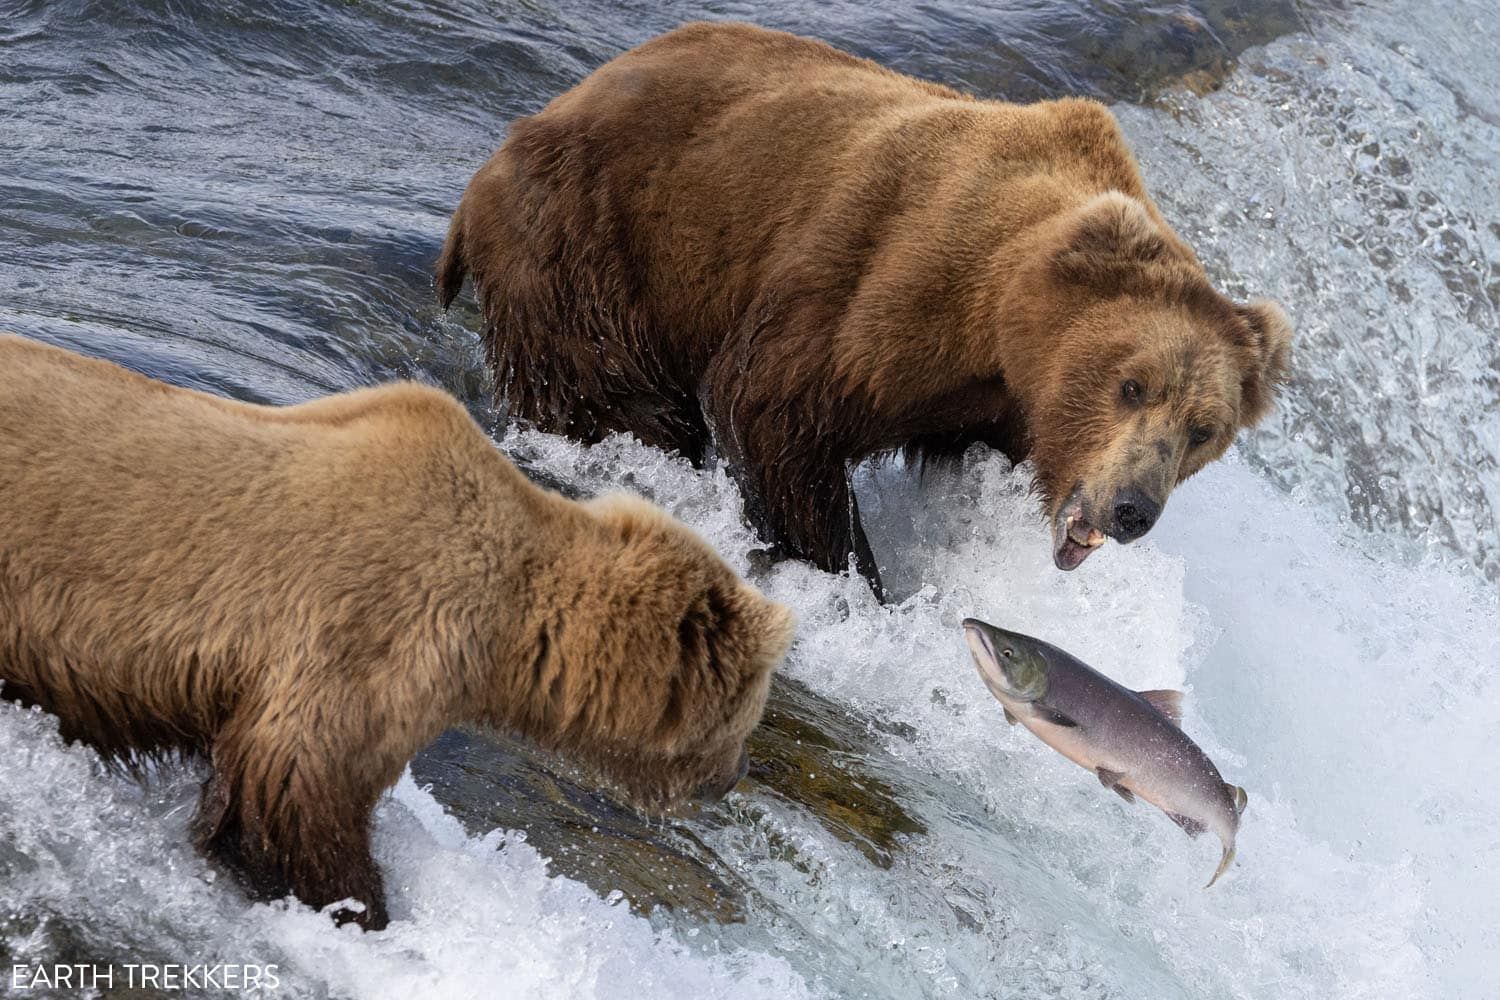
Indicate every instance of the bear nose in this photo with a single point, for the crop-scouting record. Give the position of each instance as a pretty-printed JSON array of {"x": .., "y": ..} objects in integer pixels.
[
  {"x": 1135, "y": 513},
  {"x": 716, "y": 792}
]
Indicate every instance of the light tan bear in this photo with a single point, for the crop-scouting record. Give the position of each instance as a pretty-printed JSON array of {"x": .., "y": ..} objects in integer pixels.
[
  {"x": 740, "y": 237},
  {"x": 307, "y": 596}
]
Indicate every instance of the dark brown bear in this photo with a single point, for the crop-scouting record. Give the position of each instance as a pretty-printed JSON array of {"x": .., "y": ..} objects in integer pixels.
[{"x": 739, "y": 236}]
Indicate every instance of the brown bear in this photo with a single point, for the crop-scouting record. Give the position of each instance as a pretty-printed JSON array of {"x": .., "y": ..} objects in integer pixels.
[
  {"x": 737, "y": 234},
  {"x": 307, "y": 596}
]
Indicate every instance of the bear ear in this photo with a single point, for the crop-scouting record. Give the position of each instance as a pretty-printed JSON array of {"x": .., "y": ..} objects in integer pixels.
[
  {"x": 1107, "y": 240},
  {"x": 777, "y": 625},
  {"x": 1271, "y": 355},
  {"x": 734, "y": 627}
]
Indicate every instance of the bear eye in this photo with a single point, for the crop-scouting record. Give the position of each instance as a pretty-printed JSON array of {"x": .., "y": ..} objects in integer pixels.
[
  {"x": 1130, "y": 391},
  {"x": 1199, "y": 436}
]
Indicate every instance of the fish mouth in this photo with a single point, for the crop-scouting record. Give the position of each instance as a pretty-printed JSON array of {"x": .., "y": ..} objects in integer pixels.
[
  {"x": 979, "y": 636},
  {"x": 998, "y": 654},
  {"x": 1074, "y": 537},
  {"x": 975, "y": 634}
]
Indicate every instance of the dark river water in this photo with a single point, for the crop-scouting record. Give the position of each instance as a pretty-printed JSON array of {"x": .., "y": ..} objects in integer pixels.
[{"x": 247, "y": 198}]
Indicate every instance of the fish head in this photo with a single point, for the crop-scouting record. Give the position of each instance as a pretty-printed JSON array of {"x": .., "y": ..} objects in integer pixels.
[{"x": 1013, "y": 665}]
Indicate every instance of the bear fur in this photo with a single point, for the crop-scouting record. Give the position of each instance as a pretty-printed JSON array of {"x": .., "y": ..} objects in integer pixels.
[
  {"x": 743, "y": 237},
  {"x": 308, "y": 595}
]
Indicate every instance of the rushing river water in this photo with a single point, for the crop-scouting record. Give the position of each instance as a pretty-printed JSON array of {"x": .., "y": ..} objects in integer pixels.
[{"x": 248, "y": 197}]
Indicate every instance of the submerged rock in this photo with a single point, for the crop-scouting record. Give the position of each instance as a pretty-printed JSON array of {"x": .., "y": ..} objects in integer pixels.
[
  {"x": 826, "y": 758},
  {"x": 808, "y": 751}
]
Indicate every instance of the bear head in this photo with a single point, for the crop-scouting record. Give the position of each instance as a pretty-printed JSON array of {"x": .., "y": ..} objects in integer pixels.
[
  {"x": 1134, "y": 372},
  {"x": 663, "y": 658}
]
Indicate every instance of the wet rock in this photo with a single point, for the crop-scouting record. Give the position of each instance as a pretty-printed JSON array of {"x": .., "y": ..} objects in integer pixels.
[
  {"x": 807, "y": 751},
  {"x": 827, "y": 759}
]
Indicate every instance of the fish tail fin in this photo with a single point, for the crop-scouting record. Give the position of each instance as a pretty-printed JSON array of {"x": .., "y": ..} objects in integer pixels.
[
  {"x": 1224, "y": 863},
  {"x": 1238, "y": 796}
]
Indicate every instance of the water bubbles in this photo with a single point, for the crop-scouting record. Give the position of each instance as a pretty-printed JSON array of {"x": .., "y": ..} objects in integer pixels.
[{"x": 1326, "y": 173}]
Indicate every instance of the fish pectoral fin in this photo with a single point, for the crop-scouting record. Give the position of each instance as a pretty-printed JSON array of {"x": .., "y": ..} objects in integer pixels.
[
  {"x": 1049, "y": 714},
  {"x": 1238, "y": 797},
  {"x": 1190, "y": 826},
  {"x": 1111, "y": 780},
  {"x": 1167, "y": 702},
  {"x": 1010, "y": 716}
]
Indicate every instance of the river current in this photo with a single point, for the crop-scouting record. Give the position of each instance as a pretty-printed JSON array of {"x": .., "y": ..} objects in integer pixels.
[{"x": 247, "y": 198}]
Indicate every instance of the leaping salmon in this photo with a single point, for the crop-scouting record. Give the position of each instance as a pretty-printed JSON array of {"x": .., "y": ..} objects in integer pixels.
[{"x": 1130, "y": 739}]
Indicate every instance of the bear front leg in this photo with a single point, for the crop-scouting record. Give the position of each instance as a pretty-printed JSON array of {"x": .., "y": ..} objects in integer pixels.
[
  {"x": 816, "y": 516},
  {"x": 790, "y": 461},
  {"x": 282, "y": 823},
  {"x": 864, "y": 557},
  {"x": 805, "y": 506}
]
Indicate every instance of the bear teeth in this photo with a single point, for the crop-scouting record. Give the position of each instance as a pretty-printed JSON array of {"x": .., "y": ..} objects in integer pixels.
[{"x": 1076, "y": 533}]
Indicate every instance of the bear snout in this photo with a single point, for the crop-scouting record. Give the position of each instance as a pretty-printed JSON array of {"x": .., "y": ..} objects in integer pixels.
[
  {"x": 716, "y": 790},
  {"x": 1133, "y": 514}
]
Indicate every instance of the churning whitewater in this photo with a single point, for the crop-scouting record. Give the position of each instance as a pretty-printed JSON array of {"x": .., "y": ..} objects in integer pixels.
[{"x": 1325, "y": 596}]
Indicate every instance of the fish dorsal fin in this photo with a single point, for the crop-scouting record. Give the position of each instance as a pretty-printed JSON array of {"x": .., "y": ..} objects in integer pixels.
[
  {"x": 1009, "y": 715},
  {"x": 1049, "y": 714},
  {"x": 1190, "y": 826},
  {"x": 1238, "y": 797},
  {"x": 1111, "y": 780},
  {"x": 1167, "y": 702}
]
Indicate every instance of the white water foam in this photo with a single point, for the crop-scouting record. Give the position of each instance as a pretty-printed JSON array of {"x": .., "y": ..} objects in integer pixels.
[
  {"x": 1351, "y": 692},
  {"x": 1347, "y": 684},
  {"x": 1352, "y": 176},
  {"x": 472, "y": 917}
]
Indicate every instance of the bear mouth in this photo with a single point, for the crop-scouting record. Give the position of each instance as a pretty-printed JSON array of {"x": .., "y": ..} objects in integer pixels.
[{"x": 1073, "y": 538}]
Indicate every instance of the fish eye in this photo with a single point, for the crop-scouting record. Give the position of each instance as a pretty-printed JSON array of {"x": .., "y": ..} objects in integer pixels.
[
  {"x": 1008, "y": 653},
  {"x": 1199, "y": 436},
  {"x": 1130, "y": 391}
]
